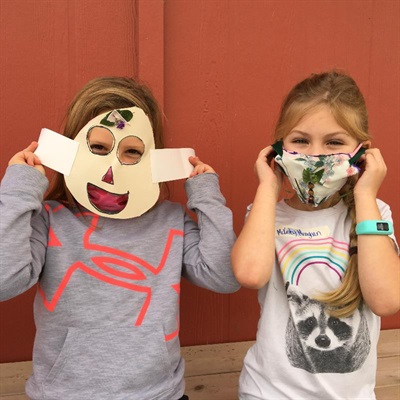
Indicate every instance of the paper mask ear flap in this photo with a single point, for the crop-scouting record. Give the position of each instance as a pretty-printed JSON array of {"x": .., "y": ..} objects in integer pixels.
[
  {"x": 170, "y": 164},
  {"x": 56, "y": 151}
]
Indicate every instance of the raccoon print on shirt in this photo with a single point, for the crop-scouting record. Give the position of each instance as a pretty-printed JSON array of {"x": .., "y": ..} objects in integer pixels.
[{"x": 319, "y": 343}]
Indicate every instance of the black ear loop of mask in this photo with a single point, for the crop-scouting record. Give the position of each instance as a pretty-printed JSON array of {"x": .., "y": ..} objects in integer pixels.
[
  {"x": 353, "y": 160},
  {"x": 278, "y": 147},
  {"x": 278, "y": 150}
]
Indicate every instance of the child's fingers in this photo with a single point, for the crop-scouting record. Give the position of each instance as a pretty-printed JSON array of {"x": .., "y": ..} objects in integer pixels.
[
  {"x": 263, "y": 156},
  {"x": 374, "y": 172},
  {"x": 194, "y": 173},
  {"x": 264, "y": 169},
  {"x": 194, "y": 160},
  {"x": 199, "y": 166},
  {"x": 199, "y": 169},
  {"x": 377, "y": 156},
  {"x": 266, "y": 151},
  {"x": 27, "y": 157},
  {"x": 266, "y": 155},
  {"x": 32, "y": 147},
  {"x": 32, "y": 159},
  {"x": 374, "y": 161}
]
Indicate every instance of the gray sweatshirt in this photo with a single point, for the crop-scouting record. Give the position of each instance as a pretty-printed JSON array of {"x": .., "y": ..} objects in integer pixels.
[{"x": 107, "y": 304}]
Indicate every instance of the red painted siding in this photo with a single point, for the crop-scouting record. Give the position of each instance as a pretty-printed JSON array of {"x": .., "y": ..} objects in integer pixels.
[{"x": 220, "y": 68}]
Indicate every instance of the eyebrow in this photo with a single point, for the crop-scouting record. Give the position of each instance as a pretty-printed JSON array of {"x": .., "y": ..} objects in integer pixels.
[{"x": 327, "y": 135}]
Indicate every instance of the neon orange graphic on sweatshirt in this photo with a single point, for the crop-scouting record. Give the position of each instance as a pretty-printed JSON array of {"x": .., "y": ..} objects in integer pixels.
[{"x": 104, "y": 262}]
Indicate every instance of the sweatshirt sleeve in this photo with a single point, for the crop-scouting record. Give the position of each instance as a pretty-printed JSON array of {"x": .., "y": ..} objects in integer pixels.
[
  {"x": 208, "y": 243},
  {"x": 23, "y": 229}
]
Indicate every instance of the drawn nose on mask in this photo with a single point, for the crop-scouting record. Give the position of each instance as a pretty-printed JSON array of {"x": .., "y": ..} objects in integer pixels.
[{"x": 108, "y": 177}]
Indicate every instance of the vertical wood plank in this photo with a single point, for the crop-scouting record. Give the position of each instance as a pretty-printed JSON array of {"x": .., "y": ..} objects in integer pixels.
[{"x": 150, "y": 45}]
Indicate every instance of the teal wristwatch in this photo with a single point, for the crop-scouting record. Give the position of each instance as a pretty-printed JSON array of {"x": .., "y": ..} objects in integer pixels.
[{"x": 374, "y": 227}]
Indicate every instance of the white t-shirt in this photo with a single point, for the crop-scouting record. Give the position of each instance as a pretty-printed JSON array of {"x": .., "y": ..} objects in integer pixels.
[{"x": 301, "y": 352}]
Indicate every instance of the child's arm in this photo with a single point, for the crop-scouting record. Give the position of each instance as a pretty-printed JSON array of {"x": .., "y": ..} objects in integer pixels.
[
  {"x": 378, "y": 262},
  {"x": 208, "y": 243},
  {"x": 23, "y": 231},
  {"x": 253, "y": 254}
]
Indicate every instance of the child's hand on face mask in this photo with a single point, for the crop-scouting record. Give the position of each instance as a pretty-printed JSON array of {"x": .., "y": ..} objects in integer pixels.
[
  {"x": 373, "y": 175},
  {"x": 199, "y": 167},
  {"x": 27, "y": 157},
  {"x": 265, "y": 172}
]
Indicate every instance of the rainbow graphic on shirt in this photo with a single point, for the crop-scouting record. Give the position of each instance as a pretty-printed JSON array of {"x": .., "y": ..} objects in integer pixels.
[{"x": 302, "y": 253}]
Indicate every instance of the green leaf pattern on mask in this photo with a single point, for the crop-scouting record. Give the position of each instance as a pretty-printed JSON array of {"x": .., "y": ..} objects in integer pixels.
[
  {"x": 312, "y": 175},
  {"x": 106, "y": 122},
  {"x": 125, "y": 114}
]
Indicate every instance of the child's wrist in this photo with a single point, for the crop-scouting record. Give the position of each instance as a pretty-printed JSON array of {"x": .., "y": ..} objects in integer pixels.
[
  {"x": 269, "y": 190},
  {"x": 365, "y": 197},
  {"x": 366, "y": 208}
]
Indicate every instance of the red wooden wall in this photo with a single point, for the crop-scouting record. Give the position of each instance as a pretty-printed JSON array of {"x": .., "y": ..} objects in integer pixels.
[{"x": 220, "y": 69}]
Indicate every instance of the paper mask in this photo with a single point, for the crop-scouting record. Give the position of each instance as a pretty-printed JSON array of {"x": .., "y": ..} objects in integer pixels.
[{"x": 111, "y": 174}]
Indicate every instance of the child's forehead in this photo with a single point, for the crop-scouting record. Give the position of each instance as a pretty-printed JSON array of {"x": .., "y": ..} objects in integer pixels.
[
  {"x": 321, "y": 114},
  {"x": 317, "y": 121}
]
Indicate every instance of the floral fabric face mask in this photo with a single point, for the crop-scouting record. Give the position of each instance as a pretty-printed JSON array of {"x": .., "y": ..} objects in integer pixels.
[{"x": 317, "y": 177}]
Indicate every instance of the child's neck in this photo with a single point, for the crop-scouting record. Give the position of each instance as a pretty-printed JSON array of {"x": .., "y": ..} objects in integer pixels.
[{"x": 297, "y": 204}]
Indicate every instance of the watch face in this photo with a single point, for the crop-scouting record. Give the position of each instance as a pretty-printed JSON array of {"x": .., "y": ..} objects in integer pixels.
[{"x": 382, "y": 226}]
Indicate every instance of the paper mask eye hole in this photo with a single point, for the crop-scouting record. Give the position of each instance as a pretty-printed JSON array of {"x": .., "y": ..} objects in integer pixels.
[
  {"x": 130, "y": 150},
  {"x": 100, "y": 140}
]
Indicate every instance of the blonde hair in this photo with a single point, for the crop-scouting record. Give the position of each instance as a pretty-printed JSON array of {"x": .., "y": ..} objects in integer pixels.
[
  {"x": 341, "y": 94},
  {"x": 96, "y": 97}
]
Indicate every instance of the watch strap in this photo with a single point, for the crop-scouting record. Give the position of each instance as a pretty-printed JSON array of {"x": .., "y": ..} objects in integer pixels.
[{"x": 374, "y": 227}]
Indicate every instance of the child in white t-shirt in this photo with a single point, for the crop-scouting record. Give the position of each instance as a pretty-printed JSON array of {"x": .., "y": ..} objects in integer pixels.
[{"x": 324, "y": 260}]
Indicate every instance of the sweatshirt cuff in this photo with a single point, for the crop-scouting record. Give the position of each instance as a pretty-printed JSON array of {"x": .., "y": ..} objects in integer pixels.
[
  {"x": 208, "y": 183},
  {"x": 205, "y": 189}
]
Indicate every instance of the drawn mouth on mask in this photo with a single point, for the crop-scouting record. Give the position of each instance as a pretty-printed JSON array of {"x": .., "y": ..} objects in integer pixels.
[{"x": 106, "y": 202}]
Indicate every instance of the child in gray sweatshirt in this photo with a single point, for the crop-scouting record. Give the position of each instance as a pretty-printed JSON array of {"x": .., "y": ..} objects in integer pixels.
[{"x": 107, "y": 304}]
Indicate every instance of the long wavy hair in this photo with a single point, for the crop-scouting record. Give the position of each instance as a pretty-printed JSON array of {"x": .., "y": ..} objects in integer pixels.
[
  {"x": 341, "y": 94},
  {"x": 96, "y": 97}
]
